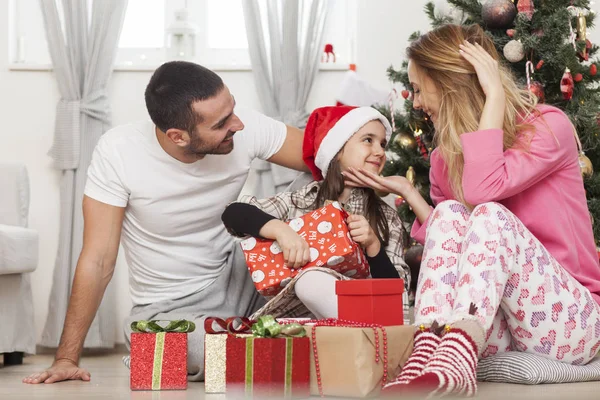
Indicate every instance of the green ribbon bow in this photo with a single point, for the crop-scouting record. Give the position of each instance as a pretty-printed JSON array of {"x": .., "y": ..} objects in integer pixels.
[
  {"x": 267, "y": 327},
  {"x": 178, "y": 326}
]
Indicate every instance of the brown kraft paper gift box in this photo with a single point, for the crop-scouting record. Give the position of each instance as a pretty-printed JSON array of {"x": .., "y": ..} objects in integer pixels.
[{"x": 347, "y": 359}]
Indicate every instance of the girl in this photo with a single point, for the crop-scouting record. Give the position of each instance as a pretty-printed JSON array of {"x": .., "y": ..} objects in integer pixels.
[
  {"x": 335, "y": 139},
  {"x": 511, "y": 232}
]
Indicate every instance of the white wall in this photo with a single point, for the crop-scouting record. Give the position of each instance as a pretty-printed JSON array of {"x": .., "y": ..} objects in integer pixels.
[{"x": 27, "y": 101}]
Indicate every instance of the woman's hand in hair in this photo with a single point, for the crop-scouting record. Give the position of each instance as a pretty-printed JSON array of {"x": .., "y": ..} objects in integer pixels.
[
  {"x": 362, "y": 233},
  {"x": 486, "y": 68},
  {"x": 296, "y": 252},
  {"x": 488, "y": 73}
]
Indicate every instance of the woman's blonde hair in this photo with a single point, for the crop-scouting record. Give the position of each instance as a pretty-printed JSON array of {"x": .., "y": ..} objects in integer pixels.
[{"x": 462, "y": 98}]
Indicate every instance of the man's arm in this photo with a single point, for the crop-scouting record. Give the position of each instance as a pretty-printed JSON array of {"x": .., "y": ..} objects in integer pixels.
[
  {"x": 290, "y": 154},
  {"x": 95, "y": 267}
]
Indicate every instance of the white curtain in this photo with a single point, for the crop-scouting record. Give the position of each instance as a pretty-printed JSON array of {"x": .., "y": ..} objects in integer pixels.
[
  {"x": 285, "y": 40},
  {"x": 82, "y": 55}
]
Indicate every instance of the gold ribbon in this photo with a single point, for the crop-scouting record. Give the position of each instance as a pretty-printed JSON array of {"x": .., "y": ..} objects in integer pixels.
[{"x": 159, "y": 349}]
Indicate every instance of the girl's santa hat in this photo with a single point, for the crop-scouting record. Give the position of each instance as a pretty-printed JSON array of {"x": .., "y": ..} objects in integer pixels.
[{"x": 329, "y": 128}]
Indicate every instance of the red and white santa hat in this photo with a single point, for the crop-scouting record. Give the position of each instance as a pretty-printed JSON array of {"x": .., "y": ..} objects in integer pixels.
[{"x": 329, "y": 128}]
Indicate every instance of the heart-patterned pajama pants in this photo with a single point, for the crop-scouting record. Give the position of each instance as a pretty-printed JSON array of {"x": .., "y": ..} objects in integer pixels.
[{"x": 526, "y": 301}]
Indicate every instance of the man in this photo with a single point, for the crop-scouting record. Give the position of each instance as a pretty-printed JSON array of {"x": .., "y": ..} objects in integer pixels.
[{"x": 164, "y": 185}]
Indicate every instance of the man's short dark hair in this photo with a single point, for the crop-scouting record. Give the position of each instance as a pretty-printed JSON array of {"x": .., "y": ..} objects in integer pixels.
[{"x": 172, "y": 90}]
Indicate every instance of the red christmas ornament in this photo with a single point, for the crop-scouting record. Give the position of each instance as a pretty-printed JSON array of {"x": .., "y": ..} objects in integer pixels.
[
  {"x": 398, "y": 201},
  {"x": 578, "y": 77},
  {"x": 327, "y": 52},
  {"x": 405, "y": 93},
  {"x": 567, "y": 84},
  {"x": 539, "y": 64},
  {"x": 584, "y": 54},
  {"x": 537, "y": 89},
  {"x": 593, "y": 69},
  {"x": 422, "y": 148},
  {"x": 525, "y": 7},
  {"x": 510, "y": 32}
]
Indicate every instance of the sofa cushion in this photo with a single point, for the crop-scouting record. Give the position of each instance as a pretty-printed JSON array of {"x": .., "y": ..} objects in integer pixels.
[
  {"x": 18, "y": 249},
  {"x": 14, "y": 202},
  {"x": 531, "y": 369}
]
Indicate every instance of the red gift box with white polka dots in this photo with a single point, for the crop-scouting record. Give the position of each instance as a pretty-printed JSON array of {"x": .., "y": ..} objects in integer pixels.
[{"x": 331, "y": 246}]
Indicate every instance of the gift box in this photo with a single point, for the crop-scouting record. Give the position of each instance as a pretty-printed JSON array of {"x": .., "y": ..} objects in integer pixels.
[
  {"x": 159, "y": 355},
  {"x": 268, "y": 367},
  {"x": 330, "y": 243},
  {"x": 272, "y": 362},
  {"x": 351, "y": 359},
  {"x": 371, "y": 301},
  {"x": 215, "y": 345}
]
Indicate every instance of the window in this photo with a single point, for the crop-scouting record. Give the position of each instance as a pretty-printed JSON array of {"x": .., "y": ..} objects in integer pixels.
[{"x": 220, "y": 39}]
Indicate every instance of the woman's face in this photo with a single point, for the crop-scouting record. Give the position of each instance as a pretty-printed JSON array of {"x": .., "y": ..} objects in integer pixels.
[{"x": 426, "y": 96}]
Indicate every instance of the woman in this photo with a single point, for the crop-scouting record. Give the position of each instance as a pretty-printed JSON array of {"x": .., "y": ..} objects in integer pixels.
[{"x": 510, "y": 239}]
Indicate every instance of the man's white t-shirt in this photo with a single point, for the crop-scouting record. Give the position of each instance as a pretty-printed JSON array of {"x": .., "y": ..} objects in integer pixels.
[{"x": 175, "y": 243}]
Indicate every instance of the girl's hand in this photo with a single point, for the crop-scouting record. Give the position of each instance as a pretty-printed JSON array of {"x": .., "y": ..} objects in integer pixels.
[
  {"x": 362, "y": 233},
  {"x": 296, "y": 252},
  {"x": 398, "y": 185},
  {"x": 486, "y": 68}
]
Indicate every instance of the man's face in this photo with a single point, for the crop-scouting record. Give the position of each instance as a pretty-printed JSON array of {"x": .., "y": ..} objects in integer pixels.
[{"x": 214, "y": 135}]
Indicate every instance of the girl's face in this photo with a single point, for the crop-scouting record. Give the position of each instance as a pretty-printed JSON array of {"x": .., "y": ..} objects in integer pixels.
[
  {"x": 426, "y": 97},
  {"x": 365, "y": 149}
]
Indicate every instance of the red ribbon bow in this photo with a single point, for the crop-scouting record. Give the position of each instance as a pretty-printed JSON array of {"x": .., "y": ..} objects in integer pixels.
[{"x": 228, "y": 325}]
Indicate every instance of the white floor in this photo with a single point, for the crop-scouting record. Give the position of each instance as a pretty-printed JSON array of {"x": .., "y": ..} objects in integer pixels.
[{"x": 110, "y": 380}]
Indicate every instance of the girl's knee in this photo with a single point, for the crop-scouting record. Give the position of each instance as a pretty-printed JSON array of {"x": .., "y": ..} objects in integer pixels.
[
  {"x": 490, "y": 209},
  {"x": 447, "y": 208}
]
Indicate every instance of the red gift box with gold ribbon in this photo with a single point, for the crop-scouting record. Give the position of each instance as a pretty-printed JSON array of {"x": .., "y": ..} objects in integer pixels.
[
  {"x": 274, "y": 361},
  {"x": 269, "y": 367},
  {"x": 159, "y": 355},
  {"x": 330, "y": 244}
]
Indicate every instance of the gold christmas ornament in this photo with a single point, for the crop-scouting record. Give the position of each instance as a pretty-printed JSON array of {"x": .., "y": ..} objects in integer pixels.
[
  {"x": 406, "y": 141},
  {"x": 410, "y": 175},
  {"x": 581, "y": 27},
  {"x": 587, "y": 169}
]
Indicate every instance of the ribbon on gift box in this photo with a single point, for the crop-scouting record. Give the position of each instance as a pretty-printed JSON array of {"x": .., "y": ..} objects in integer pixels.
[
  {"x": 153, "y": 326},
  {"x": 268, "y": 327},
  {"x": 244, "y": 325}
]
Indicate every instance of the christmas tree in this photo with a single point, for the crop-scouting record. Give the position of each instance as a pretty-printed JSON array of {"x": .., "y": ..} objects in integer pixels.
[{"x": 545, "y": 43}]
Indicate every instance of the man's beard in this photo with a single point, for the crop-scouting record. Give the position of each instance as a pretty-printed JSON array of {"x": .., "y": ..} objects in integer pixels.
[{"x": 199, "y": 148}]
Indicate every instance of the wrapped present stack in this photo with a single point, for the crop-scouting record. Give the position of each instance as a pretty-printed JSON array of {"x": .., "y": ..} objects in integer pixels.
[
  {"x": 330, "y": 243},
  {"x": 338, "y": 358},
  {"x": 159, "y": 355},
  {"x": 267, "y": 360}
]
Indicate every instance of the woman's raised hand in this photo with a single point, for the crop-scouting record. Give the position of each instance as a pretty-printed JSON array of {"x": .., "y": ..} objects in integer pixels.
[{"x": 485, "y": 66}]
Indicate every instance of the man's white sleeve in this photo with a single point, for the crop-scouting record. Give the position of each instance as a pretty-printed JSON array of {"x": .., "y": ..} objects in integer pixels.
[
  {"x": 105, "y": 176},
  {"x": 265, "y": 135}
]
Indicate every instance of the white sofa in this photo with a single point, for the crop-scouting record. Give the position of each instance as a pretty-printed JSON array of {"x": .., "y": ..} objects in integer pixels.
[{"x": 18, "y": 258}]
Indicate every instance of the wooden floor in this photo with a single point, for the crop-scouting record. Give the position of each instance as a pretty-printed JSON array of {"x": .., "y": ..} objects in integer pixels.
[{"x": 110, "y": 380}]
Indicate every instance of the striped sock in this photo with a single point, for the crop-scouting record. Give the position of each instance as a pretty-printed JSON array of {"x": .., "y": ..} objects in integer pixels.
[
  {"x": 425, "y": 343},
  {"x": 452, "y": 368}
]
